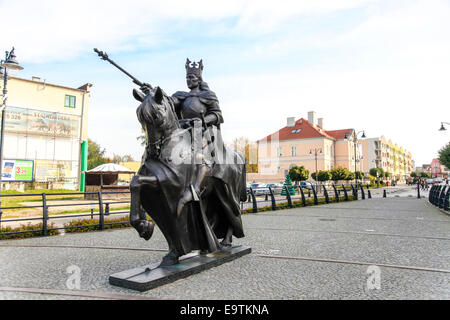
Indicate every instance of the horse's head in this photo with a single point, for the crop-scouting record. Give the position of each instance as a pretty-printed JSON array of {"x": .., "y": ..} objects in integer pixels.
[
  {"x": 156, "y": 112},
  {"x": 157, "y": 115}
]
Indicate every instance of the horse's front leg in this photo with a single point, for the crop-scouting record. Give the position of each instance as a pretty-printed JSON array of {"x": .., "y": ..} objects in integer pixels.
[{"x": 138, "y": 217}]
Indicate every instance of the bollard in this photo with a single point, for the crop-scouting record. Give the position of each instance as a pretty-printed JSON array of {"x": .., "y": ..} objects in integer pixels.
[
  {"x": 363, "y": 196},
  {"x": 255, "y": 206},
  {"x": 345, "y": 193},
  {"x": 384, "y": 193},
  {"x": 369, "y": 195},
  {"x": 272, "y": 198},
  {"x": 316, "y": 201},
  {"x": 336, "y": 195},
  {"x": 303, "y": 197},
  {"x": 325, "y": 192},
  {"x": 266, "y": 197},
  {"x": 418, "y": 192},
  {"x": 288, "y": 196},
  {"x": 101, "y": 217},
  {"x": 44, "y": 215},
  {"x": 106, "y": 209},
  {"x": 447, "y": 200}
]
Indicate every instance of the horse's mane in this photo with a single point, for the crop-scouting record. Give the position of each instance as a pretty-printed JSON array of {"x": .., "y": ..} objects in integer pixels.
[{"x": 146, "y": 112}]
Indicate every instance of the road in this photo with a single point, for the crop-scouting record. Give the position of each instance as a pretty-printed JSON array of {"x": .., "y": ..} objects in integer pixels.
[{"x": 379, "y": 248}]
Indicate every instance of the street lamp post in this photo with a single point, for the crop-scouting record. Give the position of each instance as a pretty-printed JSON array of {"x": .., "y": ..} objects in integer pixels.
[
  {"x": 10, "y": 63},
  {"x": 316, "y": 152},
  {"x": 355, "y": 141}
]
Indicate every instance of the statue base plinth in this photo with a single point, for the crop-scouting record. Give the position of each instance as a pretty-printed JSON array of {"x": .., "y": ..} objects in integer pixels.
[{"x": 151, "y": 276}]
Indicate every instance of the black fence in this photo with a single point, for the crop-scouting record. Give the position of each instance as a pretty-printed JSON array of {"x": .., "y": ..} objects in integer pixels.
[
  {"x": 100, "y": 207},
  {"x": 98, "y": 210},
  {"x": 439, "y": 196}
]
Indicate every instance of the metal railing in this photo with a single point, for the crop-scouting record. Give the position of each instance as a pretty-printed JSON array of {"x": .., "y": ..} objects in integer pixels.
[
  {"x": 101, "y": 205},
  {"x": 274, "y": 200}
]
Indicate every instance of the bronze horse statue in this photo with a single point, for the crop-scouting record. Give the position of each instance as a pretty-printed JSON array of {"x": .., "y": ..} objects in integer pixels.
[{"x": 167, "y": 170}]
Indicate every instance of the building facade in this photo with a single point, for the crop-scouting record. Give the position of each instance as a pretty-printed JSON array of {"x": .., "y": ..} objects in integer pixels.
[
  {"x": 304, "y": 143},
  {"x": 382, "y": 153},
  {"x": 45, "y": 132},
  {"x": 438, "y": 170},
  {"x": 307, "y": 143}
]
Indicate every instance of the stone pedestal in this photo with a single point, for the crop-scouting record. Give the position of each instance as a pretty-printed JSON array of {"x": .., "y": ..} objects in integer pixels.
[{"x": 152, "y": 276}]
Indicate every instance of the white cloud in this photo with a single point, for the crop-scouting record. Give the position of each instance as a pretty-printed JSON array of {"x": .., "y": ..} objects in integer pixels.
[{"x": 51, "y": 30}]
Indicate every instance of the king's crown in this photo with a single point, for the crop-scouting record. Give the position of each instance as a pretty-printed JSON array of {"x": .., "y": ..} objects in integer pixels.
[{"x": 191, "y": 67}]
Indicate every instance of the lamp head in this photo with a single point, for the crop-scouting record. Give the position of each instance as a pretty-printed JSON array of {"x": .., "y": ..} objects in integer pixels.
[
  {"x": 442, "y": 127},
  {"x": 363, "y": 135},
  {"x": 11, "y": 62}
]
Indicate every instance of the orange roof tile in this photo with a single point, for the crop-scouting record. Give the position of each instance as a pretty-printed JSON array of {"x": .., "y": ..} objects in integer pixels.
[{"x": 303, "y": 129}]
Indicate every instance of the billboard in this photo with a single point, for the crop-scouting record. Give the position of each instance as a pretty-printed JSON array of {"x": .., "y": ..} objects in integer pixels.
[
  {"x": 28, "y": 121},
  {"x": 17, "y": 170}
]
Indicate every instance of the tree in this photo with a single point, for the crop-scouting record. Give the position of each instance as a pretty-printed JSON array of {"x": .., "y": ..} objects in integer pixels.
[
  {"x": 413, "y": 174},
  {"x": 142, "y": 138},
  {"x": 323, "y": 176},
  {"x": 288, "y": 184},
  {"x": 374, "y": 171},
  {"x": 127, "y": 158},
  {"x": 250, "y": 152},
  {"x": 298, "y": 173},
  {"x": 425, "y": 174},
  {"x": 359, "y": 175},
  {"x": 116, "y": 159},
  {"x": 350, "y": 176},
  {"x": 96, "y": 154},
  {"x": 444, "y": 155},
  {"x": 338, "y": 174}
]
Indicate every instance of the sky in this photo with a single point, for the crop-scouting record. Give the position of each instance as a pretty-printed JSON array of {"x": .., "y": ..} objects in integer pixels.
[{"x": 382, "y": 66}]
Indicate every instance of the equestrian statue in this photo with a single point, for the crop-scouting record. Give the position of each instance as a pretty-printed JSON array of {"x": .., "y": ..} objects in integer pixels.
[{"x": 189, "y": 182}]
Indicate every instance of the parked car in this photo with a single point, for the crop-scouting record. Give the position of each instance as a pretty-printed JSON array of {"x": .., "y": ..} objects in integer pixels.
[
  {"x": 260, "y": 189},
  {"x": 306, "y": 185},
  {"x": 438, "y": 180},
  {"x": 276, "y": 187}
]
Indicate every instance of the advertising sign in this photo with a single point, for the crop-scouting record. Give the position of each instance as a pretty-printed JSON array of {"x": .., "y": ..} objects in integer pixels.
[
  {"x": 17, "y": 170},
  {"x": 20, "y": 120}
]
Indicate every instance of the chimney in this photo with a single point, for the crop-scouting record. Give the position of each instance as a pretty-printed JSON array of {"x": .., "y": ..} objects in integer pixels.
[
  {"x": 312, "y": 118},
  {"x": 320, "y": 123},
  {"x": 290, "y": 122}
]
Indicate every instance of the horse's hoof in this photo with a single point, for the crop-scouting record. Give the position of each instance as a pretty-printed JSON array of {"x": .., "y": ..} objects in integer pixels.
[
  {"x": 225, "y": 244},
  {"x": 169, "y": 259},
  {"x": 147, "y": 230}
]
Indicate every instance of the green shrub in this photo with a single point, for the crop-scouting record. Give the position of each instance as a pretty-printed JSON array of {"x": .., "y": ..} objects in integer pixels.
[
  {"x": 87, "y": 225},
  {"x": 35, "y": 231}
]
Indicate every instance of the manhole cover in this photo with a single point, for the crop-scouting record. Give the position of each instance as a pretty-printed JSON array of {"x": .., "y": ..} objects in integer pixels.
[{"x": 327, "y": 219}]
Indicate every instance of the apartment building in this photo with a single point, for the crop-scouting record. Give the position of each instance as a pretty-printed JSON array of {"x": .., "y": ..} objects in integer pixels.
[
  {"x": 305, "y": 142},
  {"x": 382, "y": 153}
]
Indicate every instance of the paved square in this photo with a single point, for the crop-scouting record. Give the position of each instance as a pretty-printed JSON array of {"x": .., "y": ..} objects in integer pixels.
[{"x": 320, "y": 252}]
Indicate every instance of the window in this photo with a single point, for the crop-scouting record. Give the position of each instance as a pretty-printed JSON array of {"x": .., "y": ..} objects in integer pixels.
[
  {"x": 294, "y": 151},
  {"x": 69, "y": 101}
]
